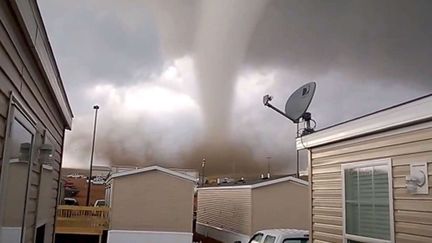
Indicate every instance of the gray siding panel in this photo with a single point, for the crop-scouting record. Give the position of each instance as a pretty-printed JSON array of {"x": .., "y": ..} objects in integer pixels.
[
  {"x": 43, "y": 52},
  {"x": 21, "y": 74},
  {"x": 4, "y": 103},
  {"x": 18, "y": 73}
]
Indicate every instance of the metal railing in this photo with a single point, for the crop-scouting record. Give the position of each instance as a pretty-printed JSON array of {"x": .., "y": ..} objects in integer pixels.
[{"x": 81, "y": 220}]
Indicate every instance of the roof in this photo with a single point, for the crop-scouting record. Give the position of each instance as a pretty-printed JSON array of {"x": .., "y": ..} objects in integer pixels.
[
  {"x": 286, "y": 233},
  {"x": 152, "y": 168},
  {"x": 405, "y": 114},
  {"x": 256, "y": 183},
  {"x": 32, "y": 23}
]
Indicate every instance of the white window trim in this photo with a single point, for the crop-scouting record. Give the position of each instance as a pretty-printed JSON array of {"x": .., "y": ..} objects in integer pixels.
[{"x": 361, "y": 164}]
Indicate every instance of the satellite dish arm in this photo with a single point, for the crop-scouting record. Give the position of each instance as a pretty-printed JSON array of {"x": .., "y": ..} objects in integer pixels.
[{"x": 279, "y": 111}]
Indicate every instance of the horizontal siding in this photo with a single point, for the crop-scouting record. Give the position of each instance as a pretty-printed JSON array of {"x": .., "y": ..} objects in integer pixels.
[
  {"x": 320, "y": 241},
  {"x": 327, "y": 228},
  {"x": 411, "y": 238},
  {"x": 412, "y": 213},
  {"x": 335, "y": 238},
  {"x": 4, "y": 104},
  {"x": 384, "y": 152},
  {"x": 364, "y": 144},
  {"x": 330, "y": 220},
  {"x": 326, "y": 211},
  {"x": 413, "y": 217},
  {"x": 22, "y": 58},
  {"x": 21, "y": 74},
  {"x": 227, "y": 209},
  {"x": 413, "y": 205},
  {"x": 413, "y": 228}
]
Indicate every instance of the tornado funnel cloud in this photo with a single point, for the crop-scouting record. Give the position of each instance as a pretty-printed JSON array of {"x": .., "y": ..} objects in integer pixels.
[{"x": 223, "y": 34}]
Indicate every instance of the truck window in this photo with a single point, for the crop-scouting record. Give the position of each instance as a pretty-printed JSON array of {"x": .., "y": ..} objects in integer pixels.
[
  {"x": 256, "y": 238},
  {"x": 270, "y": 239}
]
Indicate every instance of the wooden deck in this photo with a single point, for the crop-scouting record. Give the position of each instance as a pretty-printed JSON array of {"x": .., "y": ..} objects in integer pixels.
[{"x": 81, "y": 220}]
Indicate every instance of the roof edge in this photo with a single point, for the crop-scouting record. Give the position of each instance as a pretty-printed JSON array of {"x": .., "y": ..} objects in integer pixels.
[
  {"x": 152, "y": 168},
  {"x": 260, "y": 184},
  {"x": 36, "y": 34},
  {"x": 404, "y": 114}
]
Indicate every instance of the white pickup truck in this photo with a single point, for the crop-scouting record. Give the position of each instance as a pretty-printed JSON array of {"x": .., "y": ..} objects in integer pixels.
[{"x": 280, "y": 236}]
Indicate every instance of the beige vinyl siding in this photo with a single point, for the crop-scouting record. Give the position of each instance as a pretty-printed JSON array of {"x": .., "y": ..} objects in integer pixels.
[
  {"x": 281, "y": 205},
  {"x": 229, "y": 209},
  {"x": 412, "y": 213},
  {"x": 152, "y": 201},
  {"x": 20, "y": 73}
]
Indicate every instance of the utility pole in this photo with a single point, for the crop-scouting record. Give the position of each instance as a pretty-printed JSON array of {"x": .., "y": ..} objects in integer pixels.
[
  {"x": 96, "y": 108},
  {"x": 203, "y": 172}
]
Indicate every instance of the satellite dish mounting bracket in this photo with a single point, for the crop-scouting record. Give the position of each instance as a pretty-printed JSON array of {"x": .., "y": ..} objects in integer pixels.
[{"x": 266, "y": 101}]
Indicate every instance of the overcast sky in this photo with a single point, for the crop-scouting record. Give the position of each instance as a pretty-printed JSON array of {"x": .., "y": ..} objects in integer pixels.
[{"x": 181, "y": 80}]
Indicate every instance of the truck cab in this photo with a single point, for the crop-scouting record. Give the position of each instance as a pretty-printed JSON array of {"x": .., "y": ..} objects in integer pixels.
[{"x": 280, "y": 236}]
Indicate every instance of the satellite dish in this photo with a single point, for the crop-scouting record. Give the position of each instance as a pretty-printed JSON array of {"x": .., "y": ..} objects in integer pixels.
[
  {"x": 298, "y": 103},
  {"x": 296, "y": 106},
  {"x": 296, "y": 110}
]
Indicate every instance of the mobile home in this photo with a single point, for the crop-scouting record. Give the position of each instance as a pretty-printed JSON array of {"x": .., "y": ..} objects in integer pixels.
[
  {"x": 34, "y": 113},
  {"x": 233, "y": 212},
  {"x": 371, "y": 176},
  {"x": 152, "y": 204}
]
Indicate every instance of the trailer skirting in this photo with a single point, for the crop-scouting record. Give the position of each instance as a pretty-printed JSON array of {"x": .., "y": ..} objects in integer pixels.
[{"x": 132, "y": 236}]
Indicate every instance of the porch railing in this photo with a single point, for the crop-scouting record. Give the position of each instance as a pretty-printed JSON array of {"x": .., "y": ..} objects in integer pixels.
[{"x": 81, "y": 220}]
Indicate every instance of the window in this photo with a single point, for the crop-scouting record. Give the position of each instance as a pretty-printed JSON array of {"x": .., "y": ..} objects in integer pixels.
[
  {"x": 256, "y": 238},
  {"x": 270, "y": 239},
  {"x": 367, "y": 195}
]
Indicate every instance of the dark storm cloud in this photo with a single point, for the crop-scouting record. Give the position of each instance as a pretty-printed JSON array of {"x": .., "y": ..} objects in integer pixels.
[
  {"x": 95, "y": 45},
  {"x": 364, "y": 56},
  {"x": 370, "y": 40}
]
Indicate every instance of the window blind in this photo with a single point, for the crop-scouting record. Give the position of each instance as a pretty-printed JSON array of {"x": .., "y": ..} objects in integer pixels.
[{"x": 367, "y": 202}]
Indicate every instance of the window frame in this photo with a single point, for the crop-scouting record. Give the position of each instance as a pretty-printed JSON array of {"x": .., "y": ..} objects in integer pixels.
[{"x": 362, "y": 164}]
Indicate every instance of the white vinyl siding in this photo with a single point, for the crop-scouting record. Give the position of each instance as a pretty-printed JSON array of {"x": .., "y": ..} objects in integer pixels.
[
  {"x": 412, "y": 213},
  {"x": 246, "y": 210},
  {"x": 367, "y": 201},
  {"x": 226, "y": 209}
]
